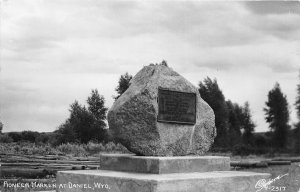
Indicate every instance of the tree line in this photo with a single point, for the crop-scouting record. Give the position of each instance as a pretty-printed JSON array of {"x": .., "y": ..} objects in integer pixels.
[
  {"x": 234, "y": 123},
  {"x": 235, "y": 127}
]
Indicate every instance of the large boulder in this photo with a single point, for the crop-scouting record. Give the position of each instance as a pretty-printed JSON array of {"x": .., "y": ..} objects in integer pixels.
[{"x": 133, "y": 117}]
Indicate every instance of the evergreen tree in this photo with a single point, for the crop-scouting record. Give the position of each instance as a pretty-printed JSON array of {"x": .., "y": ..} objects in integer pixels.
[
  {"x": 123, "y": 84},
  {"x": 1, "y": 127},
  {"x": 297, "y": 104},
  {"x": 297, "y": 138},
  {"x": 247, "y": 125},
  {"x": 212, "y": 94},
  {"x": 277, "y": 115},
  {"x": 234, "y": 123},
  {"x": 297, "y": 127}
]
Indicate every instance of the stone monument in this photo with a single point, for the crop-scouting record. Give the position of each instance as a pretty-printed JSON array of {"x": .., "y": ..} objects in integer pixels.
[
  {"x": 162, "y": 114},
  {"x": 163, "y": 120}
]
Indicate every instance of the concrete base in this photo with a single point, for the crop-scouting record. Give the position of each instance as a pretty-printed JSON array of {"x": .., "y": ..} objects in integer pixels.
[
  {"x": 129, "y": 173},
  {"x": 102, "y": 180},
  {"x": 162, "y": 165}
]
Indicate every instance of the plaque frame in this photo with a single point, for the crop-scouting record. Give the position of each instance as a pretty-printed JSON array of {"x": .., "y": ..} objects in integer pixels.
[{"x": 177, "y": 122}]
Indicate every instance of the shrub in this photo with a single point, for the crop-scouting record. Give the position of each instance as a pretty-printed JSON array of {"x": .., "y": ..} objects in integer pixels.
[
  {"x": 26, "y": 148},
  {"x": 90, "y": 148},
  {"x": 4, "y": 138},
  {"x": 29, "y": 136},
  {"x": 261, "y": 141},
  {"x": 93, "y": 148},
  {"x": 6, "y": 148},
  {"x": 72, "y": 149},
  {"x": 42, "y": 138},
  {"x": 243, "y": 150},
  {"x": 113, "y": 147},
  {"x": 16, "y": 136}
]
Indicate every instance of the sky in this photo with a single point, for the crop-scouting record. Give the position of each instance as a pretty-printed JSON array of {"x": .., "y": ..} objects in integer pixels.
[{"x": 55, "y": 52}]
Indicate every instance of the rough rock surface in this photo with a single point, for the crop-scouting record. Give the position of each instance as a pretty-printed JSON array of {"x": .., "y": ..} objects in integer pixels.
[{"x": 133, "y": 117}]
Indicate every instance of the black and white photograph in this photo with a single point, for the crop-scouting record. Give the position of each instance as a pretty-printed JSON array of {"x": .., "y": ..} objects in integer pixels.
[{"x": 149, "y": 96}]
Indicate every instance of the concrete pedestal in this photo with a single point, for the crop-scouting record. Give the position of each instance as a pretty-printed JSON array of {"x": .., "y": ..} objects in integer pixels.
[
  {"x": 162, "y": 165},
  {"x": 128, "y": 173}
]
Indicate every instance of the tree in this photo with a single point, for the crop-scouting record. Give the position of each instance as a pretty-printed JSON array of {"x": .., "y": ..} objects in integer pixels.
[
  {"x": 81, "y": 121},
  {"x": 65, "y": 134},
  {"x": 296, "y": 138},
  {"x": 212, "y": 94},
  {"x": 1, "y": 127},
  {"x": 96, "y": 107},
  {"x": 247, "y": 125},
  {"x": 123, "y": 84},
  {"x": 234, "y": 123},
  {"x": 297, "y": 126},
  {"x": 16, "y": 136},
  {"x": 29, "y": 136},
  {"x": 297, "y": 104},
  {"x": 98, "y": 110},
  {"x": 85, "y": 124},
  {"x": 164, "y": 62},
  {"x": 277, "y": 115}
]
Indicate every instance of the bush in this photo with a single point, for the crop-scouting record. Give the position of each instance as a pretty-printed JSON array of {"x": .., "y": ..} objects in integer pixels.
[
  {"x": 215, "y": 149},
  {"x": 6, "y": 148},
  {"x": 29, "y": 136},
  {"x": 33, "y": 149},
  {"x": 26, "y": 148},
  {"x": 90, "y": 148},
  {"x": 16, "y": 136},
  {"x": 72, "y": 149},
  {"x": 296, "y": 139},
  {"x": 83, "y": 150},
  {"x": 113, "y": 147},
  {"x": 4, "y": 138},
  {"x": 93, "y": 148},
  {"x": 243, "y": 150},
  {"x": 261, "y": 141},
  {"x": 43, "y": 138}
]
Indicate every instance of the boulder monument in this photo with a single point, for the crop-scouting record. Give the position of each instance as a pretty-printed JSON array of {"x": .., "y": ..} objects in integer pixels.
[{"x": 162, "y": 114}]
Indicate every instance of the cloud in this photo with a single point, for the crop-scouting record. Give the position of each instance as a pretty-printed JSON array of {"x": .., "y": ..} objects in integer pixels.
[
  {"x": 277, "y": 56},
  {"x": 276, "y": 19},
  {"x": 53, "y": 52},
  {"x": 274, "y": 7},
  {"x": 30, "y": 29}
]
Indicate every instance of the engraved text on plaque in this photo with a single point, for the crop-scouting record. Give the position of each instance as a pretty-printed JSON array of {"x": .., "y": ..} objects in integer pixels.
[{"x": 176, "y": 107}]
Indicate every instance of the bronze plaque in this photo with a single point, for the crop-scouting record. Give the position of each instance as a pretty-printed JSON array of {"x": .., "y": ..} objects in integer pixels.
[{"x": 176, "y": 107}]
